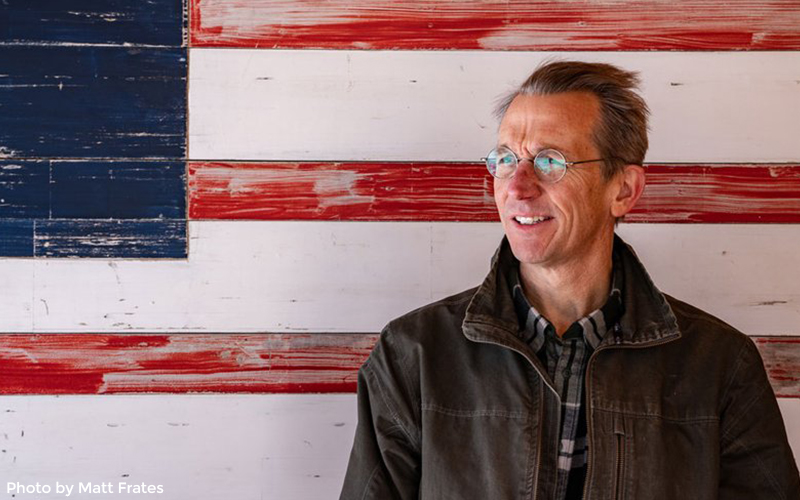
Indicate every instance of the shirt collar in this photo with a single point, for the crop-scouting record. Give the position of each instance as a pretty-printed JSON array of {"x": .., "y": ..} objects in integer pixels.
[{"x": 534, "y": 327}]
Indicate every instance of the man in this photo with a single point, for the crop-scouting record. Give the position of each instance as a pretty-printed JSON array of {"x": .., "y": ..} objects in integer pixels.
[{"x": 567, "y": 374}]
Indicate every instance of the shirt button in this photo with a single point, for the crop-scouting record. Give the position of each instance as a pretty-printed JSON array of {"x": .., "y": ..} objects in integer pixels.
[{"x": 566, "y": 373}]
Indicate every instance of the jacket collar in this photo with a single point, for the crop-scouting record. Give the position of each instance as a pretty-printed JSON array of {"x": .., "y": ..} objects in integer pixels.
[{"x": 647, "y": 318}]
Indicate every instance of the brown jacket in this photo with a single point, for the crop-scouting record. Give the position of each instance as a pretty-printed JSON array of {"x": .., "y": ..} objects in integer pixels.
[{"x": 452, "y": 404}]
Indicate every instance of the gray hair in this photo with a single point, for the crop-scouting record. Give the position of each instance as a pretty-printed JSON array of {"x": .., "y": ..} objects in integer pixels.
[{"x": 621, "y": 132}]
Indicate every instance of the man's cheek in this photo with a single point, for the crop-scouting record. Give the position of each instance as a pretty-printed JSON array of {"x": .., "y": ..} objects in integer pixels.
[{"x": 499, "y": 197}]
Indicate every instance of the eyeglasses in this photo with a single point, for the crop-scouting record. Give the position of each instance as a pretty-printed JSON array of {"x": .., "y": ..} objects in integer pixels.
[{"x": 550, "y": 165}]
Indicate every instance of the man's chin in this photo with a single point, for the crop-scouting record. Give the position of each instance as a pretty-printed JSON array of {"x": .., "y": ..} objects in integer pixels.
[{"x": 528, "y": 255}]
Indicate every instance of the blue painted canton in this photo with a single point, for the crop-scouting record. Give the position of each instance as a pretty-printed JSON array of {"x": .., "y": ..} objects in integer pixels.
[{"x": 92, "y": 129}]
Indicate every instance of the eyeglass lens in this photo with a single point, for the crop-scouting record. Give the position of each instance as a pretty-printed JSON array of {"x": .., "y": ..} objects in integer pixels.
[{"x": 550, "y": 165}]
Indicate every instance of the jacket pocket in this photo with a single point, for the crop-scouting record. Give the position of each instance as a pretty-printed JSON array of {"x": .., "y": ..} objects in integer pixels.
[
  {"x": 481, "y": 453},
  {"x": 653, "y": 458}
]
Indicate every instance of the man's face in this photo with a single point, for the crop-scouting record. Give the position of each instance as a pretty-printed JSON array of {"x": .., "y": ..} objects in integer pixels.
[{"x": 577, "y": 209}]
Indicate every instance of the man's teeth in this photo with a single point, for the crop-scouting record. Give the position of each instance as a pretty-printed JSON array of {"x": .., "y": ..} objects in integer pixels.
[{"x": 530, "y": 220}]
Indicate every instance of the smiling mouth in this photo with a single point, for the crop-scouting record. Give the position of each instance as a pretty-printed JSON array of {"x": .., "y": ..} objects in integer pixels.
[{"x": 530, "y": 221}]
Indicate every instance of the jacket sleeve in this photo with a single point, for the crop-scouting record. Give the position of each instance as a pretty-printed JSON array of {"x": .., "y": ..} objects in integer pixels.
[
  {"x": 756, "y": 459},
  {"x": 385, "y": 461}
]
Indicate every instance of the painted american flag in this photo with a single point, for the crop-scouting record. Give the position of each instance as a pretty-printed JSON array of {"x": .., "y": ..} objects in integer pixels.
[{"x": 209, "y": 209}]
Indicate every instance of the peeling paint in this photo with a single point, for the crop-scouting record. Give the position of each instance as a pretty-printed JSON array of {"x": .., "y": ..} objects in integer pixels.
[
  {"x": 494, "y": 25},
  {"x": 6, "y": 152},
  {"x": 124, "y": 363},
  {"x": 464, "y": 192}
]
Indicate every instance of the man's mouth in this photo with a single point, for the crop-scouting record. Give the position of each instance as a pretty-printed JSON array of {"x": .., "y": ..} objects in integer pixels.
[{"x": 529, "y": 221}]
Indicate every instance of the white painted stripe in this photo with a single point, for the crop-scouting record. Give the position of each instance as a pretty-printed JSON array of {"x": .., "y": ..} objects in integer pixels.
[
  {"x": 355, "y": 276},
  {"x": 16, "y": 295},
  {"x": 436, "y": 105},
  {"x": 201, "y": 447},
  {"x": 790, "y": 409}
]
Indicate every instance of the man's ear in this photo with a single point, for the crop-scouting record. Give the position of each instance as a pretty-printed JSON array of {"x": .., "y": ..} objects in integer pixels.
[{"x": 630, "y": 185}]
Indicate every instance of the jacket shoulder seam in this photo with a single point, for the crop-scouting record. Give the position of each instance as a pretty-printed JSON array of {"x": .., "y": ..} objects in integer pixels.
[
  {"x": 729, "y": 383},
  {"x": 689, "y": 312},
  {"x": 726, "y": 432},
  {"x": 388, "y": 401}
]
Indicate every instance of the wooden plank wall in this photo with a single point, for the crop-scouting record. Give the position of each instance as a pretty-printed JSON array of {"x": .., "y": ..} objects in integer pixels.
[{"x": 255, "y": 187}]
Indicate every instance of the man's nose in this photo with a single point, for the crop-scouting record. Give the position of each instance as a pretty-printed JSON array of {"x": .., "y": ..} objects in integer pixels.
[{"x": 525, "y": 183}]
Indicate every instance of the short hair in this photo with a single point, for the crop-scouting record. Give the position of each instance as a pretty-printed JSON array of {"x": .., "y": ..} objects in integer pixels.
[{"x": 621, "y": 132}]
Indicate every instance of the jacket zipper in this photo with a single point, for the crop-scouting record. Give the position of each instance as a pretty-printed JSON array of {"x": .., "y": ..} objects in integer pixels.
[
  {"x": 539, "y": 439},
  {"x": 620, "y": 466},
  {"x": 589, "y": 431},
  {"x": 538, "y": 448},
  {"x": 541, "y": 410}
]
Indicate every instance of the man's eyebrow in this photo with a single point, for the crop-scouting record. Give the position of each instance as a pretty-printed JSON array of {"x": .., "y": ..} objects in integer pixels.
[
  {"x": 505, "y": 145},
  {"x": 542, "y": 147},
  {"x": 558, "y": 147}
]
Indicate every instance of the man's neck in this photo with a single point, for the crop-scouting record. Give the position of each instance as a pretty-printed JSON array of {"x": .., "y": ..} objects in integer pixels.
[{"x": 566, "y": 293}]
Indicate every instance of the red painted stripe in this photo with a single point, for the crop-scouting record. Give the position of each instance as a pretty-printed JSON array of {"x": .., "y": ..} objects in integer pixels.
[
  {"x": 498, "y": 25},
  {"x": 234, "y": 363},
  {"x": 118, "y": 363},
  {"x": 782, "y": 360},
  {"x": 463, "y": 192},
  {"x": 340, "y": 191},
  {"x": 720, "y": 193}
]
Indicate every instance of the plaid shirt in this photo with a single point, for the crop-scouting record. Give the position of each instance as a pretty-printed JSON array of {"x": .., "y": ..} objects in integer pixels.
[{"x": 565, "y": 359}]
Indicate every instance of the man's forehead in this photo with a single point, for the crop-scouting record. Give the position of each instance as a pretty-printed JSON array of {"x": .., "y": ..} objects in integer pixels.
[
  {"x": 525, "y": 106},
  {"x": 568, "y": 113}
]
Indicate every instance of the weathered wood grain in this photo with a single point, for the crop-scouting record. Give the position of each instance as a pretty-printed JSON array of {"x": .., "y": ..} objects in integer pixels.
[
  {"x": 119, "y": 239},
  {"x": 340, "y": 191},
  {"x": 431, "y": 106},
  {"x": 38, "y": 196},
  {"x": 234, "y": 363},
  {"x": 203, "y": 447},
  {"x": 108, "y": 364},
  {"x": 496, "y": 25},
  {"x": 118, "y": 189},
  {"x": 43, "y": 189},
  {"x": 342, "y": 276},
  {"x": 117, "y": 22},
  {"x": 720, "y": 193},
  {"x": 92, "y": 102},
  {"x": 24, "y": 189},
  {"x": 781, "y": 357},
  {"x": 463, "y": 192},
  {"x": 16, "y": 238}
]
